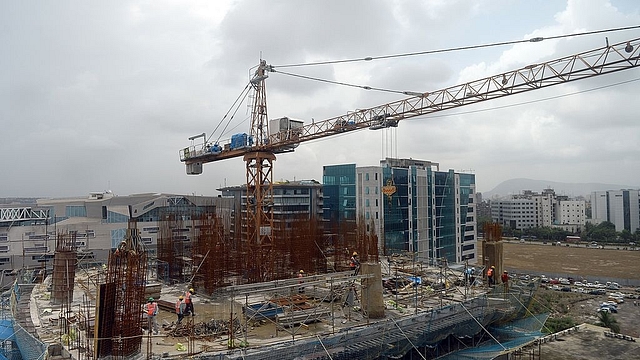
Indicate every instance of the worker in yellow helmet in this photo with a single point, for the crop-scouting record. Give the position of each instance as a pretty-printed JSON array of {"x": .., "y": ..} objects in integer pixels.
[
  {"x": 188, "y": 302},
  {"x": 354, "y": 263}
]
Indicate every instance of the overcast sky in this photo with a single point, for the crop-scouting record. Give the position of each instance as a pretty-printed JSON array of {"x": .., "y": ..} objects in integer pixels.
[{"x": 101, "y": 95}]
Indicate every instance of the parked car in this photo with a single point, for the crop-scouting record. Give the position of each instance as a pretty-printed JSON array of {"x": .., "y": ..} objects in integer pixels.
[
  {"x": 618, "y": 300},
  {"x": 610, "y": 309},
  {"x": 609, "y": 303}
]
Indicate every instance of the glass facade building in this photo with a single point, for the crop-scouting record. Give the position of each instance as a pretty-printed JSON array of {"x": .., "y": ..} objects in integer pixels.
[
  {"x": 415, "y": 208},
  {"x": 339, "y": 189}
]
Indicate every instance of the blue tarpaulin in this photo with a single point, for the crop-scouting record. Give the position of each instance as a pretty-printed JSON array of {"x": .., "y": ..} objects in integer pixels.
[{"x": 6, "y": 330}]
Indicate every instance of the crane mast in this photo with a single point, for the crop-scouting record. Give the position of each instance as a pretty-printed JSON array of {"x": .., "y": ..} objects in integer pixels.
[
  {"x": 259, "y": 195},
  {"x": 259, "y": 148}
]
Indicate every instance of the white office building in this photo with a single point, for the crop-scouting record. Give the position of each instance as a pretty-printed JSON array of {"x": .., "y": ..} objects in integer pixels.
[{"x": 620, "y": 207}]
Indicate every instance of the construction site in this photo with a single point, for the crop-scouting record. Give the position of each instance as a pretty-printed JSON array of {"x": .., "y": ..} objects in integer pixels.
[
  {"x": 281, "y": 287},
  {"x": 390, "y": 308}
]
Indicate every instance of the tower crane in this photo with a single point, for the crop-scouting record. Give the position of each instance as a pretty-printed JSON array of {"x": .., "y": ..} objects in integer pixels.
[{"x": 268, "y": 138}]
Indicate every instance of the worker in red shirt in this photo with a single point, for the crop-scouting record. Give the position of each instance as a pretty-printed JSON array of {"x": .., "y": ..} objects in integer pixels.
[
  {"x": 354, "y": 263},
  {"x": 490, "y": 275},
  {"x": 505, "y": 280}
]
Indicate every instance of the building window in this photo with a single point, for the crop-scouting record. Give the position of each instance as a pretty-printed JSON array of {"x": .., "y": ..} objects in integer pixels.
[
  {"x": 366, "y": 202},
  {"x": 366, "y": 190},
  {"x": 366, "y": 176},
  {"x": 75, "y": 211}
]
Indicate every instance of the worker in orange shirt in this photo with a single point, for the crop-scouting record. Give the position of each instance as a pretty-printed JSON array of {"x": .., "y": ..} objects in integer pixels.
[
  {"x": 188, "y": 302},
  {"x": 180, "y": 308},
  {"x": 152, "y": 311}
]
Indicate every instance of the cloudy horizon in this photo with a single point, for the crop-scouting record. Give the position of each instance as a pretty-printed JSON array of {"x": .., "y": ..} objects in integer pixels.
[{"x": 102, "y": 95}]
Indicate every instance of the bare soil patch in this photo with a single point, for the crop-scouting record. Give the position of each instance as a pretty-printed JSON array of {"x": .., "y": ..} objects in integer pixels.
[{"x": 581, "y": 261}]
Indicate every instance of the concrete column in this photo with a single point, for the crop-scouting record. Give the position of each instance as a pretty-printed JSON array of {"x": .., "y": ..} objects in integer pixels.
[{"x": 371, "y": 300}]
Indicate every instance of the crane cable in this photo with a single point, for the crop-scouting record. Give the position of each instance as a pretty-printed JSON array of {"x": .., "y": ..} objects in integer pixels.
[
  {"x": 416, "y": 93},
  {"x": 239, "y": 100},
  {"x": 244, "y": 92},
  {"x": 469, "y": 47}
]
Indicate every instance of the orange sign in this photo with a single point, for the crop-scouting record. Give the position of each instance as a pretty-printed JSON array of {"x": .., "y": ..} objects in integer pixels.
[{"x": 389, "y": 189}]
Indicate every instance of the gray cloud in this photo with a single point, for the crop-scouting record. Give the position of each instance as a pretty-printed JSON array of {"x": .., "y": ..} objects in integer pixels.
[{"x": 103, "y": 95}]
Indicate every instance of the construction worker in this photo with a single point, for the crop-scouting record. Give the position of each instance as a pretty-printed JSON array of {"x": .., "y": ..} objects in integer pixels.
[
  {"x": 180, "y": 308},
  {"x": 490, "y": 274},
  {"x": 505, "y": 280},
  {"x": 300, "y": 281},
  {"x": 354, "y": 263},
  {"x": 188, "y": 301},
  {"x": 152, "y": 311}
]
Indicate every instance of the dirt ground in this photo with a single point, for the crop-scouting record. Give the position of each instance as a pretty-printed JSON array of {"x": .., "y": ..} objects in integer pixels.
[{"x": 581, "y": 261}]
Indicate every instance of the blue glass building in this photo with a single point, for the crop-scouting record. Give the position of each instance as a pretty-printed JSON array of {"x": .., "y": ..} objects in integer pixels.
[{"x": 411, "y": 205}]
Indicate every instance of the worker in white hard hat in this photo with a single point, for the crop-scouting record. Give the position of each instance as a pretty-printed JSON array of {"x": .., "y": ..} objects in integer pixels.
[{"x": 300, "y": 281}]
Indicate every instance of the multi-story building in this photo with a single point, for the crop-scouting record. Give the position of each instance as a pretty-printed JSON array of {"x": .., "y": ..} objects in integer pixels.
[
  {"x": 531, "y": 209},
  {"x": 292, "y": 200},
  {"x": 620, "y": 207},
  {"x": 515, "y": 213},
  {"x": 98, "y": 223},
  {"x": 571, "y": 212},
  {"x": 409, "y": 204},
  {"x": 545, "y": 208}
]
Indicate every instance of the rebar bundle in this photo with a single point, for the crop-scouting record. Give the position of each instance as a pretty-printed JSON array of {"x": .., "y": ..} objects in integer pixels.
[{"x": 121, "y": 298}]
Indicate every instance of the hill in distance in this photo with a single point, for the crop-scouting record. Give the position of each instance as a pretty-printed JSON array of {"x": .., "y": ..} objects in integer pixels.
[{"x": 573, "y": 190}]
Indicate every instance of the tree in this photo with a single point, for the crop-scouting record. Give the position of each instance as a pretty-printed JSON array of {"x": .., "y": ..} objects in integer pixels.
[
  {"x": 626, "y": 235},
  {"x": 603, "y": 232},
  {"x": 605, "y": 319}
]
